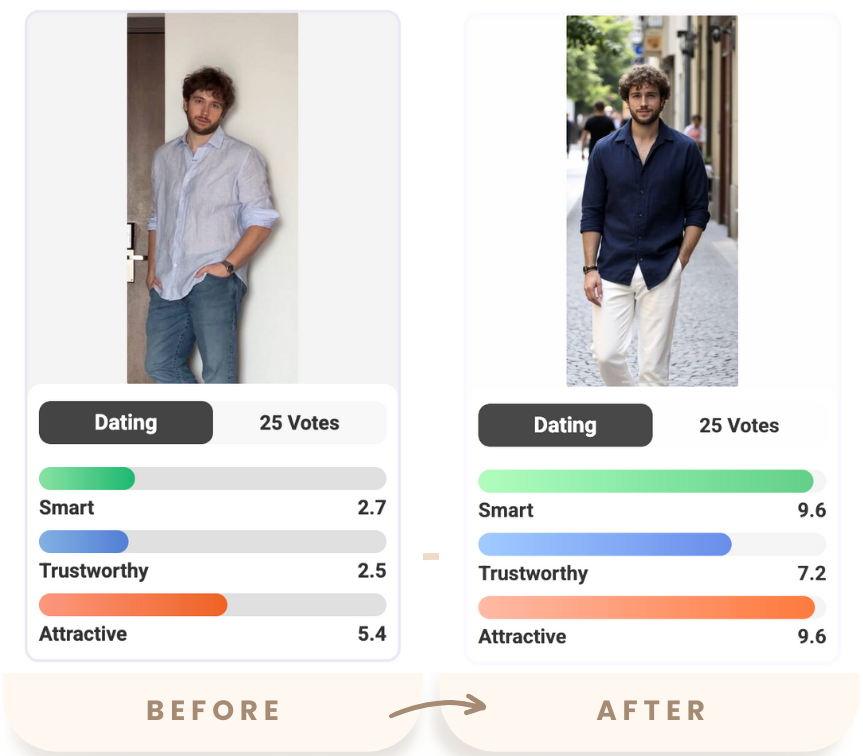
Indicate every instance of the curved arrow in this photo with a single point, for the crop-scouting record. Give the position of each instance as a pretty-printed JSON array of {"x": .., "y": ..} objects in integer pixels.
[{"x": 473, "y": 706}]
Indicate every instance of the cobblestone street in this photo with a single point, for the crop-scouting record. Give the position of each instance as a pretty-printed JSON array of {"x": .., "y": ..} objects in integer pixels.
[{"x": 705, "y": 335}]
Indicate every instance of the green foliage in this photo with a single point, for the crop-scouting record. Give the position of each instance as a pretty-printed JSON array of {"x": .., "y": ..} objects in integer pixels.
[{"x": 597, "y": 54}]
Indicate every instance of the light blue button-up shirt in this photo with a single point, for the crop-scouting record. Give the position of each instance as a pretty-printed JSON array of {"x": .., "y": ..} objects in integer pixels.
[{"x": 203, "y": 204}]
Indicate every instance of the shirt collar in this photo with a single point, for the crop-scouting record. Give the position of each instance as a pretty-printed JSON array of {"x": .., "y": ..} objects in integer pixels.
[
  {"x": 624, "y": 133},
  {"x": 216, "y": 140},
  {"x": 219, "y": 137}
]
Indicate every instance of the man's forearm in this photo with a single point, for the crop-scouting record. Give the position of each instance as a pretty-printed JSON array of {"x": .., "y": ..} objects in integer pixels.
[
  {"x": 691, "y": 236},
  {"x": 151, "y": 252},
  {"x": 248, "y": 245},
  {"x": 590, "y": 240}
]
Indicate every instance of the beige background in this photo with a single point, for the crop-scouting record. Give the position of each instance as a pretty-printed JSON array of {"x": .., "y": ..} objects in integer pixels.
[
  {"x": 742, "y": 712},
  {"x": 108, "y": 712}
]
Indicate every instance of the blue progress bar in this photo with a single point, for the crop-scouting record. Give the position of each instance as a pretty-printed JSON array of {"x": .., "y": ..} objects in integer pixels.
[
  {"x": 605, "y": 544},
  {"x": 84, "y": 541}
]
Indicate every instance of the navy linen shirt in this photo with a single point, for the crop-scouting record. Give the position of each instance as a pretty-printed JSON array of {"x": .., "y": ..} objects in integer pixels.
[{"x": 642, "y": 210}]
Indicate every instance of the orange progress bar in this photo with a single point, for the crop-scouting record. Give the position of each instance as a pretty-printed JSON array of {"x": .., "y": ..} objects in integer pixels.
[
  {"x": 133, "y": 604},
  {"x": 646, "y": 607}
]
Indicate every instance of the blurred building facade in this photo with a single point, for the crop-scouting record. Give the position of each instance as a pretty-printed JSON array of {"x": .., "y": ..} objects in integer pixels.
[{"x": 699, "y": 56}]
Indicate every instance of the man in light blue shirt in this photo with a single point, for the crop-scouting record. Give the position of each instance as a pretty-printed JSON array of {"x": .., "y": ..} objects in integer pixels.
[{"x": 212, "y": 210}]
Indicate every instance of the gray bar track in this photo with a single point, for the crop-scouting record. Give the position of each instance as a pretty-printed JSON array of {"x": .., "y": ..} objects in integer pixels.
[
  {"x": 255, "y": 541},
  {"x": 776, "y": 544},
  {"x": 304, "y": 605},
  {"x": 259, "y": 478}
]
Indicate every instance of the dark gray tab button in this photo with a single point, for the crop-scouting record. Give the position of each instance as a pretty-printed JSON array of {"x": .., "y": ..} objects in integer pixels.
[
  {"x": 126, "y": 422},
  {"x": 565, "y": 425}
]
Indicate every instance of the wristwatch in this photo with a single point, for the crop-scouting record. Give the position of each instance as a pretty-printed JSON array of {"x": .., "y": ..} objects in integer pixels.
[
  {"x": 229, "y": 266},
  {"x": 587, "y": 268}
]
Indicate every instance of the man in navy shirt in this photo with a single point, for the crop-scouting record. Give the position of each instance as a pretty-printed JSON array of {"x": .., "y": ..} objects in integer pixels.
[{"x": 643, "y": 210}]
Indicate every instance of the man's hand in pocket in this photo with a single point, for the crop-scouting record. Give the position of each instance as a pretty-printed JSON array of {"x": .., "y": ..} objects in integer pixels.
[{"x": 216, "y": 269}]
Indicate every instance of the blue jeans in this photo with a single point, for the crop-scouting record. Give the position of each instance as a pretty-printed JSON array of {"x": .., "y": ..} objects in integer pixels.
[{"x": 208, "y": 314}]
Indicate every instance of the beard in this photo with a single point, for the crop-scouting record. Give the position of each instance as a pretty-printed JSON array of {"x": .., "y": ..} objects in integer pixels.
[
  {"x": 645, "y": 120},
  {"x": 203, "y": 131}
]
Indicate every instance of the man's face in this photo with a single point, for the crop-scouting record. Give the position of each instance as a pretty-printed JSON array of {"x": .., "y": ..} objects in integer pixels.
[
  {"x": 203, "y": 111},
  {"x": 696, "y": 122},
  {"x": 644, "y": 104}
]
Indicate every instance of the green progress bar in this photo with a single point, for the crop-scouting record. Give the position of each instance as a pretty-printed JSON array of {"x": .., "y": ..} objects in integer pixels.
[
  {"x": 87, "y": 478},
  {"x": 646, "y": 481}
]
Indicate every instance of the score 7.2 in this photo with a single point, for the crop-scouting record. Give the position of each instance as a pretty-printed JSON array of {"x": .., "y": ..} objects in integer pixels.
[{"x": 819, "y": 572}]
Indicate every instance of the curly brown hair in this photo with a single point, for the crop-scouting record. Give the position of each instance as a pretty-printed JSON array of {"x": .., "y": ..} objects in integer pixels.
[
  {"x": 212, "y": 80},
  {"x": 638, "y": 76}
]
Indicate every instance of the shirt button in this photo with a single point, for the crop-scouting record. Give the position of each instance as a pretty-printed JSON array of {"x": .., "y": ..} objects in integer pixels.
[
  {"x": 641, "y": 191},
  {"x": 175, "y": 264},
  {"x": 639, "y": 239},
  {"x": 641, "y": 215}
]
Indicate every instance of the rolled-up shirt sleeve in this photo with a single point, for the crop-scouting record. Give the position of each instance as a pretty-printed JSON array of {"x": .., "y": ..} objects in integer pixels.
[
  {"x": 594, "y": 197},
  {"x": 695, "y": 191},
  {"x": 256, "y": 202},
  {"x": 153, "y": 222}
]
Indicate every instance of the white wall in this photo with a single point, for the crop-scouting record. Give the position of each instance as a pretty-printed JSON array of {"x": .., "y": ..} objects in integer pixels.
[{"x": 259, "y": 51}]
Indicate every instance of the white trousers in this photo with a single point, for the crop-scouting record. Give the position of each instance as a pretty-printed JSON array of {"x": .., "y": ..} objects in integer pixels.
[{"x": 655, "y": 311}]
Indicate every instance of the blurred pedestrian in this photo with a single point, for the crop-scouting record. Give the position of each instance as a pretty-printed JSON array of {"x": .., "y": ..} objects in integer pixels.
[
  {"x": 569, "y": 127},
  {"x": 696, "y": 131},
  {"x": 597, "y": 126}
]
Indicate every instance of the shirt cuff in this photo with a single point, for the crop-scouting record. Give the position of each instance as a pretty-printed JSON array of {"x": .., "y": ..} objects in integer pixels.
[
  {"x": 698, "y": 218},
  {"x": 258, "y": 216},
  {"x": 590, "y": 226},
  {"x": 152, "y": 225}
]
